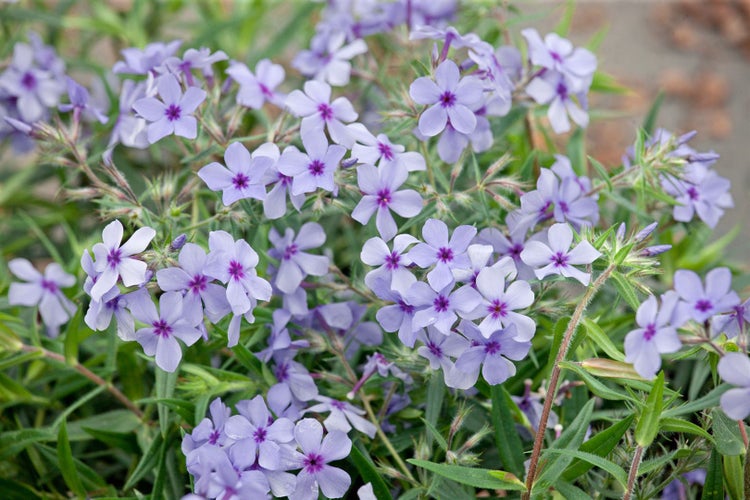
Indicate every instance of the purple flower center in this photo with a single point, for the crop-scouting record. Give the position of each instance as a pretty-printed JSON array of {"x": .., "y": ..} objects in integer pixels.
[
  {"x": 564, "y": 207},
  {"x": 240, "y": 181},
  {"x": 339, "y": 405},
  {"x": 562, "y": 91},
  {"x": 162, "y": 328},
  {"x": 114, "y": 257},
  {"x": 313, "y": 463},
  {"x": 515, "y": 251},
  {"x": 441, "y": 303},
  {"x": 384, "y": 197},
  {"x": 693, "y": 193},
  {"x": 703, "y": 305},
  {"x": 326, "y": 112},
  {"x": 214, "y": 436},
  {"x": 260, "y": 434},
  {"x": 445, "y": 254},
  {"x": 50, "y": 286},
  {"x": 28, "y": 81},
  {"x": 557, "y": 57},
  {"x": 285, "y": 180},
  {"x": 265, "y": 91},
  {"x": 405, "y": 308},
  {"x": 392, "y": 260},
  {"x": 435, "y": 349},
  {"x": 649, "y": 331},
  {"x": 236, "y": 271},
  {"x": 290, "y": 251},
  {"x": 447, "y": 99},
  {"x": 385, "y": 151},
  {"x": 197, "y": 284},
  {"x": 316, "y": 168},
  {"x": 492, "y": 347},
  {"x": 173, "y": 112},
  {"x": 498, "y": 309},
  {"x": 560, "y": 259},
  {"x": 282, "y": 372}
]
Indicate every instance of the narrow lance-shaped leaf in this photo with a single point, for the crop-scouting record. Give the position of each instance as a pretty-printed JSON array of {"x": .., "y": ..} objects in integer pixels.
[{"x": 648, "y": 424}]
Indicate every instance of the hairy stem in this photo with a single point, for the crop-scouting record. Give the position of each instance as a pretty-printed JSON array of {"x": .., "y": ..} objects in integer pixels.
[
  {"x": 633, "y": 472},
  {"x": 93, "y": 377},
  {"x": 555, "y": 377}
]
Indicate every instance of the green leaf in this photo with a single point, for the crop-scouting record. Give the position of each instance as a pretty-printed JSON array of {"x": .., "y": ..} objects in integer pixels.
[
  {"x": 147, "y": 463},
  {"x": 615, "y": 470},
  {"x": 602, "y": 171},
  {"x": 734, "y": 479},
  {"x": 649, "y": 124},
  {"x": 596, "y": 386},
  {"x": 16, "y": 491},
  {"x": 435, "y": 434},
  {"x": 669, "y": 424},
  {"x": 67, "y": 465},
  {"x": 367, "y": 471},
  {"x": 435, "y": 395},
  {"x": 727, "y": 434},
  {"x": 606, "y": 83},
  {"x": 165, "y": 384},
  {"x": 445, "y": 489},
  {"x": 125, "y": 442},
  {"x": 13, "y": 442},
  {"x": 648, "y": 423},
  {"x": 626, "y": 290},
  {"x": 710, "y": 400},
  {"x": 713, "y": 488},
  {"x": 601, "y": 444},
  {"x": 602, "y": 340},
  {"x": 476, "y": 477},
  {"x": 507, "y": 440},
  {"x": 563, "y": 27}
]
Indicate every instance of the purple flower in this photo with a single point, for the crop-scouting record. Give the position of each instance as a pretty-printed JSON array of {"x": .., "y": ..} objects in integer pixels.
[
  {"x": 141, "y": 62},
  {"x": 315, "y": 168},
  {"x": 173, "y": 114},
  {"x": 492, "y": 352},
  {"x": 79, "y": 102},
  {"x": 295, "y": 376},
  {"x": 317, "y": 111},
  {"x": 294, "y": 262},
  {"x": 210, "y": 431},
  {"x": 259, "y": 87},
  {"x": 34, "y": 89},
  {"x": 557, "y": 257},
  {"x": 699, "y": 190},
  {"x": 557, "y": 54},
  {"x": 732, "y": 324},
  {"x": 438, "y": 349},
  {"x": 343, "y": 416},
  {"x": 656, "y": 335},
  {"x": 257, "y": 434},
  {"x": 317, "y": 452},
  {"x": 400, "y": 315},
  {"x": 274, "y": 205},
  {"x": 163, "y": 328},
  {"x": 192, "y": 59},
  {"x": 699, "y": 302},
  {"x": 734, "y": 368},
  {"x": 393, "y": 263},
  {"x": 197, "y": 287},
  {"x": 439, "y": 308},
  {"x": 499, "y": 304},
  {"x": 128, "y": 129},
  {"x": 379, "y": 185},
  {"x": 450, "y": 99},
  {"x": 241, "y": 178},
  {"x": 233, "y": 262},
  {"x": 512, "y": 246},
  {"x": 113, "y": 260},
  {"x": 328, "y": 61},
  {"x": 279, "y": 340},
  {"x": 43, "y": 291},
  {"x": 380, "y": 150},
  {"x": 445, "y": 254},
  {"x": 553, "y": 89}
]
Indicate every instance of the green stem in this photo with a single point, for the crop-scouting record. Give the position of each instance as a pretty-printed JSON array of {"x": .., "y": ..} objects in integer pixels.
[
  {"x": 633, "y": 472},
  {"x": 387, "y": 442},
  {"x": 555, "y": 377}
]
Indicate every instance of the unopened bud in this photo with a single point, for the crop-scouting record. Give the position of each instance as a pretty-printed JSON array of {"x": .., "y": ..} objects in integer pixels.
[
  {"x": 620, "y": 234},
  {"x": 655, "y": 250},
  {"x": 178, "y": 242},
  {"x": 349, "y": 162},
  {"x": 645, "y": 232}
]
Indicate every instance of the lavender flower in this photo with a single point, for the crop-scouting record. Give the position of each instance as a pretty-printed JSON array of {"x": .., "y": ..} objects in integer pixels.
[
  {"x": 380, "y": 150},
  {"x": 294, "y": 376},
  {"x": 699, "y": 190},
  {"x": 43, "y": 291},
  {"x": 379, "y": 187},
  {"x": 445, "y": 254},
  {"x": 498, "y": 305},
  {"x": 732, "y": 323},
  {"x": 450, "y": 99},
  {"x": 197, "y": 287},
  {"x": 557, "y": 256},
  {"x": 439, "y": 308},
  {"x": 400, "y": 315},
  {"x": 557, "y": 54},
  {"x": 655, "y": 336},
  {"x": 114, "y": 260},
  {"x": 492, "y": 352},
  {"x": 274, "y": 206},
  {"x": 294, "y": 262},
  {"x": 128, "y": 129},
  {"x": 317, "y": 452},
  {"x": 259, "y": 87},
  {"x": 393, "y": 263},
  {"x": 173, "y": 114},
  {"x": 210, "y": 431},
  {"x": 241, "y": 178},
  {"x": 201, "y": 59},
  {"x": 699, "y": 302},
  {"x": 164, "y": 328},
  {"x": 317, "y": 111},
  {"x": 328, "y": 61},
  {"x": 79, "y": 102},
  {"x": 343, "y": 416},
  {"x": 734, "y": 368},
  {"x": 438, "y": 349},
  {"x": 316, "y": 168},
  {"x": 141, "y": 62},
  {"x": 553, "y": 89}
]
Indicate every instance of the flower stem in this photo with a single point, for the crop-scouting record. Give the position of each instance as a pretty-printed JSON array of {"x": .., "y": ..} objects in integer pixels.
[
  {"x": 93, "y": 377},
  {"x": 555, "y": 376},
  {"x": 633, "y": 472},
  {"x": 385, "y": 440}
]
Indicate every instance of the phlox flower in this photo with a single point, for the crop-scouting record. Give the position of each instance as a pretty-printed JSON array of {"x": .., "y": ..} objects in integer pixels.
[
  {"x": 317, "y": 451},
  {"x": 700, "y": 303},
  {"x": 259, "y": 87},
  {"x": 316, "y": 167},
  {"x": 241, "y": 178},
  {"x": 557, "y": 257},
  {"x": 294, "y": 262},
  {"x": 492, "y": 352},
  {"x": 446, "y": 254},
  {"x": 173, "y": 114},
  {"x": 317, "y": 111},
  {"x": 656, "y": 335},
  {"x": 734, "y": 368}
]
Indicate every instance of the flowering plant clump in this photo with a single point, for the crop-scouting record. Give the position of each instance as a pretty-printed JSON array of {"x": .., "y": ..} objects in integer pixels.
[{"x": 352, "y": 270}]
